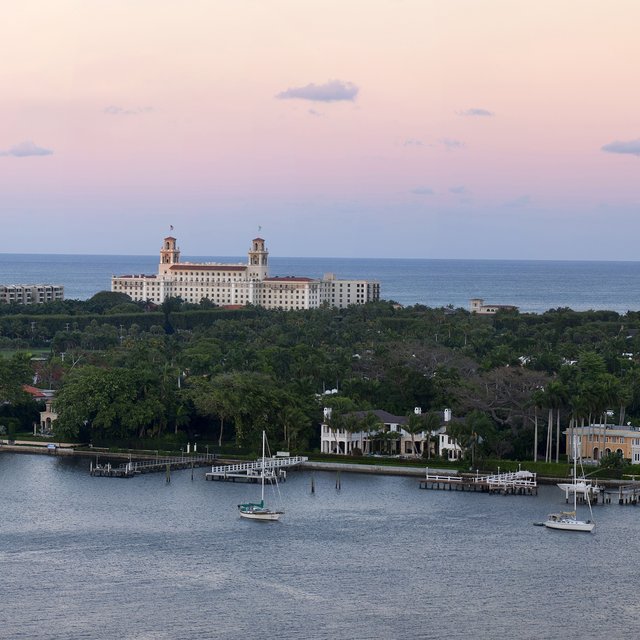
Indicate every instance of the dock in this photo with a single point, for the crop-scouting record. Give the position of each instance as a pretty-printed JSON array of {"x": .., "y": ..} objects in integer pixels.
[
  {"x": 625, "y": 494},
  {"x": 512, "y": 483},
  {"x": 274, "y": 469},
  {"x": 131, "y": 469}
]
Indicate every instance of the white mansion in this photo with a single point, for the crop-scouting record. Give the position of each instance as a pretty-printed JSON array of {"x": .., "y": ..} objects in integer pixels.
[{"x": 240, "y": 284}]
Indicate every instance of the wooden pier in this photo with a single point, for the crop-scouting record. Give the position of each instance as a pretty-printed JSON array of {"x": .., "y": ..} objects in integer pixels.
[
  {"x": 515, "y": 483},
  {"x": 274, "y": 469},
  {"x": 131, "y": 469},
  {"x": 625, "y": 494}
]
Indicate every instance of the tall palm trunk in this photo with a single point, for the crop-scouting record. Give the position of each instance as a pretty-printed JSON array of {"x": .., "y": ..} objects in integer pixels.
[
  {"x": 557, "y": 435},
  {"x": 535, "y": 434}
]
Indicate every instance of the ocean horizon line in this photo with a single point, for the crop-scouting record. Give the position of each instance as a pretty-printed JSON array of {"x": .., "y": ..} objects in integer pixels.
[{"x": 354, "y": 258}]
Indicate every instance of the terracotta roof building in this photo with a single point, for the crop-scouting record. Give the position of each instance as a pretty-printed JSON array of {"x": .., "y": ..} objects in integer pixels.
[{"x": 240, "y": 284}]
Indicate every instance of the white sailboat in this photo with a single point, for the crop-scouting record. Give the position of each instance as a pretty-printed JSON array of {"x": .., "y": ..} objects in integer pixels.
[
  {"x": 568, "y": 520},
  {"x": 257, "y": 510}
]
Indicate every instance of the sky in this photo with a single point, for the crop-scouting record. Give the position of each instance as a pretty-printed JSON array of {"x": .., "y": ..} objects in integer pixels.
[{"x": 366, "y": 128}]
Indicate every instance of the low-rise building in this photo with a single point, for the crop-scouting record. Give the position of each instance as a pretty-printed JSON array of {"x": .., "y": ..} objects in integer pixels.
[
  {"x": 478, "y": 306},
  {"x": 30, "y": 293}
]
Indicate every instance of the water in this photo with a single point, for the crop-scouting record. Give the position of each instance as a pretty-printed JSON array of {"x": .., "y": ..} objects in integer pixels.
[
  {"x": 86, "y": 557},
  {"x": 531, "y": 285}
]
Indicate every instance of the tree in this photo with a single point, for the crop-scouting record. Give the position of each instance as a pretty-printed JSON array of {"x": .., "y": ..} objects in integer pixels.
[
  {"x": 105, "y": 404},
  {"x": 418, "y": 423},
  {"x": 14, "y": 372}
]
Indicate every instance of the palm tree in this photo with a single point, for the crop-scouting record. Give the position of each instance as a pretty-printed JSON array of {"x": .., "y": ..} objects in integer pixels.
[
  {"x": 432, "y": 423},
  {"x": 336, "y": 422},
  {"x": 537, "y": 398},
  {"x": 555, "y": 396},
  {"x": 369, "y": 424},
  {"x": 415, "y": 424}
]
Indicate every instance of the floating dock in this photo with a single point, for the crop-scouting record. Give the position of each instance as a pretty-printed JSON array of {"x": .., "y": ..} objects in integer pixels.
[{"x": 513, "y": 483}]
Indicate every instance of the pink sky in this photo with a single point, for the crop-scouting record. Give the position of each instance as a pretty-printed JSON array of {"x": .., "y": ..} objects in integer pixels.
[{"x": 415, "y": 128}]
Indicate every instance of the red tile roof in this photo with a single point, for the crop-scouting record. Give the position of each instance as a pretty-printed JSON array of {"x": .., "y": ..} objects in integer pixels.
[
  {"x": 208, "y": 267},
  {"x": 33, "y": 391}
]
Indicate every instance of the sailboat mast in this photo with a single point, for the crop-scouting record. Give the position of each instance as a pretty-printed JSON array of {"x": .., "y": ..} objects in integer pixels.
[{"x": 262, "y": 474}]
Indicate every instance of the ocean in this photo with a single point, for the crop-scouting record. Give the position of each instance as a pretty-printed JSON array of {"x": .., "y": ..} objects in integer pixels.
[{"x": 532, "y": 285}]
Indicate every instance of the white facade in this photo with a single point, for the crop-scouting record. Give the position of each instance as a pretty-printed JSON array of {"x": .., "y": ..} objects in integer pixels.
[
  {"x": 477, "y": 305},
  {"x": 240, "y": 284},
  {"x": 31, "y": 293},
  {"x": 448, "y": 446},
  {"x": 343, "y": 442}
]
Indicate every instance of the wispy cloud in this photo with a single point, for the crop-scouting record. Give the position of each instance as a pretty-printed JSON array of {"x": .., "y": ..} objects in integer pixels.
[
  {"x": 313, "y": 112},
  {"x": 25, "y": 149},
  {"x": 332, "y": 91},
  {"x": 476, "y": 112},
  {"x": 423, "y": 191},
  {"x": 413, "y": 142},
  {"x": 631, "y": 147},
  {"x": 451, "y": 144},
  {"x": 459, "y": 190},
  {"x": 112, "y": 110}
]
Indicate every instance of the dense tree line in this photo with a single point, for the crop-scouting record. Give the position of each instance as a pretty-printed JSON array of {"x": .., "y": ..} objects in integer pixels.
[{"x": 130, "y": 371}]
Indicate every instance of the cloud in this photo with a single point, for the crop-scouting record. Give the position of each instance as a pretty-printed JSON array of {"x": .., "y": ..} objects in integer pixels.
[
  {"x": 521, "y": 201},
  {"x": 332, "y": 91},
  {"x": 120, "y": 111},
  {"x": 315, "y": 113},
  {"x": 413, "y": 142},
  {"x": 476, "y": 112},
  {"x": 451, "y": 144},
  {"x": 25, "y": 149},
  {"x": 632, "y": 147},
  {"x": 461, "y": 190},
  {"x": 423, "y": 191}
]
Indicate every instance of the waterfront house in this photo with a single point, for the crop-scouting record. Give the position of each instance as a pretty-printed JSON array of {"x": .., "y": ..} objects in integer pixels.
[
  {"x": 389, "y": 436},
  {"x": 597, "y": 440}
]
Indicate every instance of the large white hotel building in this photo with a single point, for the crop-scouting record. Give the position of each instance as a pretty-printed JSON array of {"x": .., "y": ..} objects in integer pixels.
[{"x": 241, "y": 284}]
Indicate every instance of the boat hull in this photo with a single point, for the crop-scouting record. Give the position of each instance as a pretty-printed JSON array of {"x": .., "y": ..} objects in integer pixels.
[
  {"x": 567, "y": 524},
  {"x": 265, "y": 515},
  {"x": 579, "y": 487}
]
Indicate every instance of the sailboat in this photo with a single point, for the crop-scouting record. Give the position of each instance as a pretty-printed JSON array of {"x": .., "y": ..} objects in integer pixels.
[
  {"x": 567, "y": 520},
  {"x": 257, "y": 510}
]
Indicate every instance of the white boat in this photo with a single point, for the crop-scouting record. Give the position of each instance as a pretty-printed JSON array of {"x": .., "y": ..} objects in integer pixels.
[
  {"x": 568, "y": 520},
  {"x": 582, "y": 487},
  {"x": 257, "y": 510}
]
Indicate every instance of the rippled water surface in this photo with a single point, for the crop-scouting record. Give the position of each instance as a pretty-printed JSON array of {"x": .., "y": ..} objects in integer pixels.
[{"x": 85, "y": 557}]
